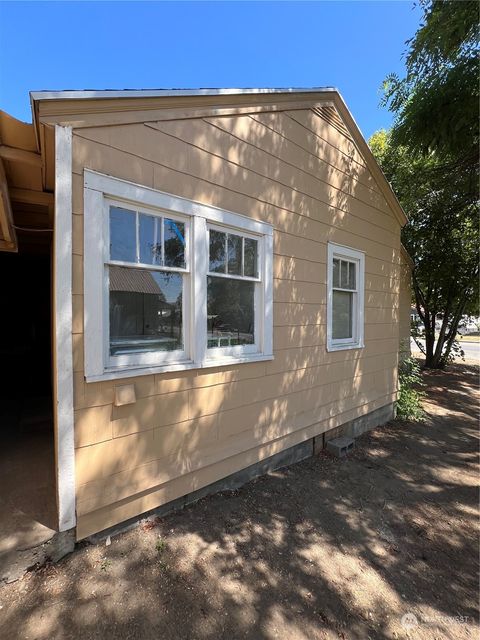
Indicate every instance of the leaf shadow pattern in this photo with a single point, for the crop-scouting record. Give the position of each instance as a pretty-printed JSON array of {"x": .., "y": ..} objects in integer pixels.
[{"x": 323, "y": 549}]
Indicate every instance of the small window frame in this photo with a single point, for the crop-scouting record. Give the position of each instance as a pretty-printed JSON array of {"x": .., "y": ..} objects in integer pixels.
[{"x": 348, "y": 254}]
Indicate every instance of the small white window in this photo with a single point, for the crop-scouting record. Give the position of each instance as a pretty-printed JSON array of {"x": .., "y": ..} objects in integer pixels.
[
  {"x": 345, "y": 298},
  {"x": 170, "y": 284}
]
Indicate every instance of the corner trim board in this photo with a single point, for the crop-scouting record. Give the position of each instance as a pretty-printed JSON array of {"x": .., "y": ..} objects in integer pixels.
[{"x": 63, "y": 372}]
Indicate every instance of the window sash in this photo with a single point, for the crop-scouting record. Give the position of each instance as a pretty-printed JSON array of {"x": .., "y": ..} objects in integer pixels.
[
  {"x": 237, "y": 232},
  {"x": 352, "y": 319},
  {"x": 213, "y": 353},
  {"x": 161, "y": 216},
  {"x": 154, "y": 357},
  {"x": 342, "y": 263},
  {"x": 149, "y": 357}
]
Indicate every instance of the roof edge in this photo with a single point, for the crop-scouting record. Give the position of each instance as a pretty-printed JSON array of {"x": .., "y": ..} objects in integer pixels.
[
  {"x": 93, "y": 94},
  {"x": 38, "y": 96},
  {"x": 372, "y": 163}
]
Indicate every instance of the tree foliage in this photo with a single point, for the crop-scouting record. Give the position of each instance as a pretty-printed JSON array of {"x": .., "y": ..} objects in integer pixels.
[
  {"x": 431, "y": 160},
  {"x": 441, "y": 237},
  {"x": 436, "y": 104},
  {"x": 411, "y": 394}
]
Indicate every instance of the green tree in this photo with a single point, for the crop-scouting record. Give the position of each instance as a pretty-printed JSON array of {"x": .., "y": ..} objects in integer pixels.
[
  {"x": 431, "y": 159},
  {"x": 436, "y": 104},
  {"x": 441, "y": 238}
]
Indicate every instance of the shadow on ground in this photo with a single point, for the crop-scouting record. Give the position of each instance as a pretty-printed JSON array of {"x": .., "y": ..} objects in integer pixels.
[{"x": 323, "y": 549}]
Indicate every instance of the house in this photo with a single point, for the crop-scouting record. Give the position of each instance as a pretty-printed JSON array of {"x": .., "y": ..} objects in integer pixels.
[{"x": 226, "y": 288}]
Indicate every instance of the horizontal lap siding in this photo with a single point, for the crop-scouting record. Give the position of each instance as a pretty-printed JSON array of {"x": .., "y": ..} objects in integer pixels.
[
  {"x": 405, "y": 304},
  {"x": 188, "y": 429},
  {"x": 208, "y": 173}
]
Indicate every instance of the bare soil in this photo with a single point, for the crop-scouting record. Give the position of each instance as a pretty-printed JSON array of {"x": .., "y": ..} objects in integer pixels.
[{"x": 326, "y": 548}]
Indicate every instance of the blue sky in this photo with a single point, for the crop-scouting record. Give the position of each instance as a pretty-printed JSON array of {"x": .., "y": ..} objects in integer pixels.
[{"x": 117, "y": 45}]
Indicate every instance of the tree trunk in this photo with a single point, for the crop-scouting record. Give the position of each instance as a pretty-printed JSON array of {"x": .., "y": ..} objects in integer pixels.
[{"x": 453, "y": 330}]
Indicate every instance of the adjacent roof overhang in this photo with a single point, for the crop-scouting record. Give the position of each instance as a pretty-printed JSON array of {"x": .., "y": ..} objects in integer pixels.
[
  {"x": 8, "y": 238},
  {"x": 110, "y": 107},
  {"x": 25, "y": 206}
]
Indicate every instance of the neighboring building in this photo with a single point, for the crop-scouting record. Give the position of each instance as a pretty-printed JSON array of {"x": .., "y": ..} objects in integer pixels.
[{"x": 227, "y": 285}]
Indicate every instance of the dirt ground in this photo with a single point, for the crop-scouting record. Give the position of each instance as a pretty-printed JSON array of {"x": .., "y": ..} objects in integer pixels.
[{"x": 323, "y": 549}]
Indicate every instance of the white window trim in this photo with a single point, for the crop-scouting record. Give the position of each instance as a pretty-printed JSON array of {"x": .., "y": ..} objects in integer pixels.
[
  {"x": 63, "y": 369},
  {"x": 353, "y": 255},
  {"x": 99, "y": 189}
]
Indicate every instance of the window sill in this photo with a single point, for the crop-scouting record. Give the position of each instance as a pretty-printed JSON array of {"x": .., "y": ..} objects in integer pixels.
[
  {"x": 344, "y": 347},
  {"x": 135, "y": 371}
]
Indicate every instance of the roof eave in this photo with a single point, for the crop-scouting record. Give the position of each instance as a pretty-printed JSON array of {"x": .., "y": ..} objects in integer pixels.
[
  {"x": 38, "y": 96},
  {"x": 159, "y": 93}
]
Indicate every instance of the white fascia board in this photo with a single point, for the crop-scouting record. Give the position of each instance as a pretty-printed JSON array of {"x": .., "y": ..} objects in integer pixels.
[{"x": 164, "y": 93}]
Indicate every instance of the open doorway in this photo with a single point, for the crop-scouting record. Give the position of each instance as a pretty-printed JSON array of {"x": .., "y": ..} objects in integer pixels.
[{"x": 28, "y": 514}]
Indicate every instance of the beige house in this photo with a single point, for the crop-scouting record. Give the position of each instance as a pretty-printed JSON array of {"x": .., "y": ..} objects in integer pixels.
[{"x": 227, "y": 287}]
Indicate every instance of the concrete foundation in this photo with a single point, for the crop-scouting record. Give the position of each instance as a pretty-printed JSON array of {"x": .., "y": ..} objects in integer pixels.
[
  {"x": 340, "y": 447},
  {"x": 356, "y": 427}
]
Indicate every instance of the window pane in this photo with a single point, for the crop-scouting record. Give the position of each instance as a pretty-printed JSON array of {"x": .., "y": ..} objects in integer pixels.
[
  {"x": 234, "y": 255},
  {"x": 336, "y": 272},
  {"x": 123, "y": 235},
  {"x": 250, "y": 258},
  {"x": 352, "y": 268},
  {"x": 347, "y": 275},
  {"x": 342, "y": 309},
  {"x": 217, "y": 251},
  {"x": 174, "y": 243},
  {"x": 343, "y": 274},
  {"x": 150, "y": 240},
  {"x": 230, "y": 312},
  {"x": 145, "y": 311}
]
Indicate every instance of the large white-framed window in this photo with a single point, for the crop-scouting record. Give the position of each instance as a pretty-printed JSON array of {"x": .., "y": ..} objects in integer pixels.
[
  {"x": 345, "y": 297},
  {"x": 171, "y": 284}
]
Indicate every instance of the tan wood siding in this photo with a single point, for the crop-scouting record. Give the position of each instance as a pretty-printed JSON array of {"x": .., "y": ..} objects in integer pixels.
[
  {"x": 191, "y": 428},
  {"x": 405, "y": 304}
]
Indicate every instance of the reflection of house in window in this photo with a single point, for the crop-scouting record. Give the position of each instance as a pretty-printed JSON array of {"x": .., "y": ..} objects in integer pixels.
[{"x": 145, "y": 310}]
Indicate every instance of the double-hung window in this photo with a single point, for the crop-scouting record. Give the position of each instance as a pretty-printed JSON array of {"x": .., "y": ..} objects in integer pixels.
[
  {"x": 233, "y": 292},
  {"x": 345, "y": 275},
  {"x": 171, "y": 284}
]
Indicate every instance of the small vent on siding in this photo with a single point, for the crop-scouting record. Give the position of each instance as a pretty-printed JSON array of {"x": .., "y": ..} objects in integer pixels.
[{"x": 330, "y": 115}]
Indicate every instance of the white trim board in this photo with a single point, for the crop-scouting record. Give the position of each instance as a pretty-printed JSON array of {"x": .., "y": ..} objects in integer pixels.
[
  {"x": 64, "y": 417},
  {"x": 81, "y": 94}
]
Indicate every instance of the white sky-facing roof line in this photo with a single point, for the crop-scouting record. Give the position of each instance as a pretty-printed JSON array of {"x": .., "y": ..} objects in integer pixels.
[{"x": 85, "y": 94}]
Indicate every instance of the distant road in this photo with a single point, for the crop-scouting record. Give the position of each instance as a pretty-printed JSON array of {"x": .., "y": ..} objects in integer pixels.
[{"x": 471, "y": 349}]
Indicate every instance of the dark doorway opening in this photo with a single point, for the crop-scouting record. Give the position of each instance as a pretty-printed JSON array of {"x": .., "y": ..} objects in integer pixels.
[{"x": 28, "y": 514}]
